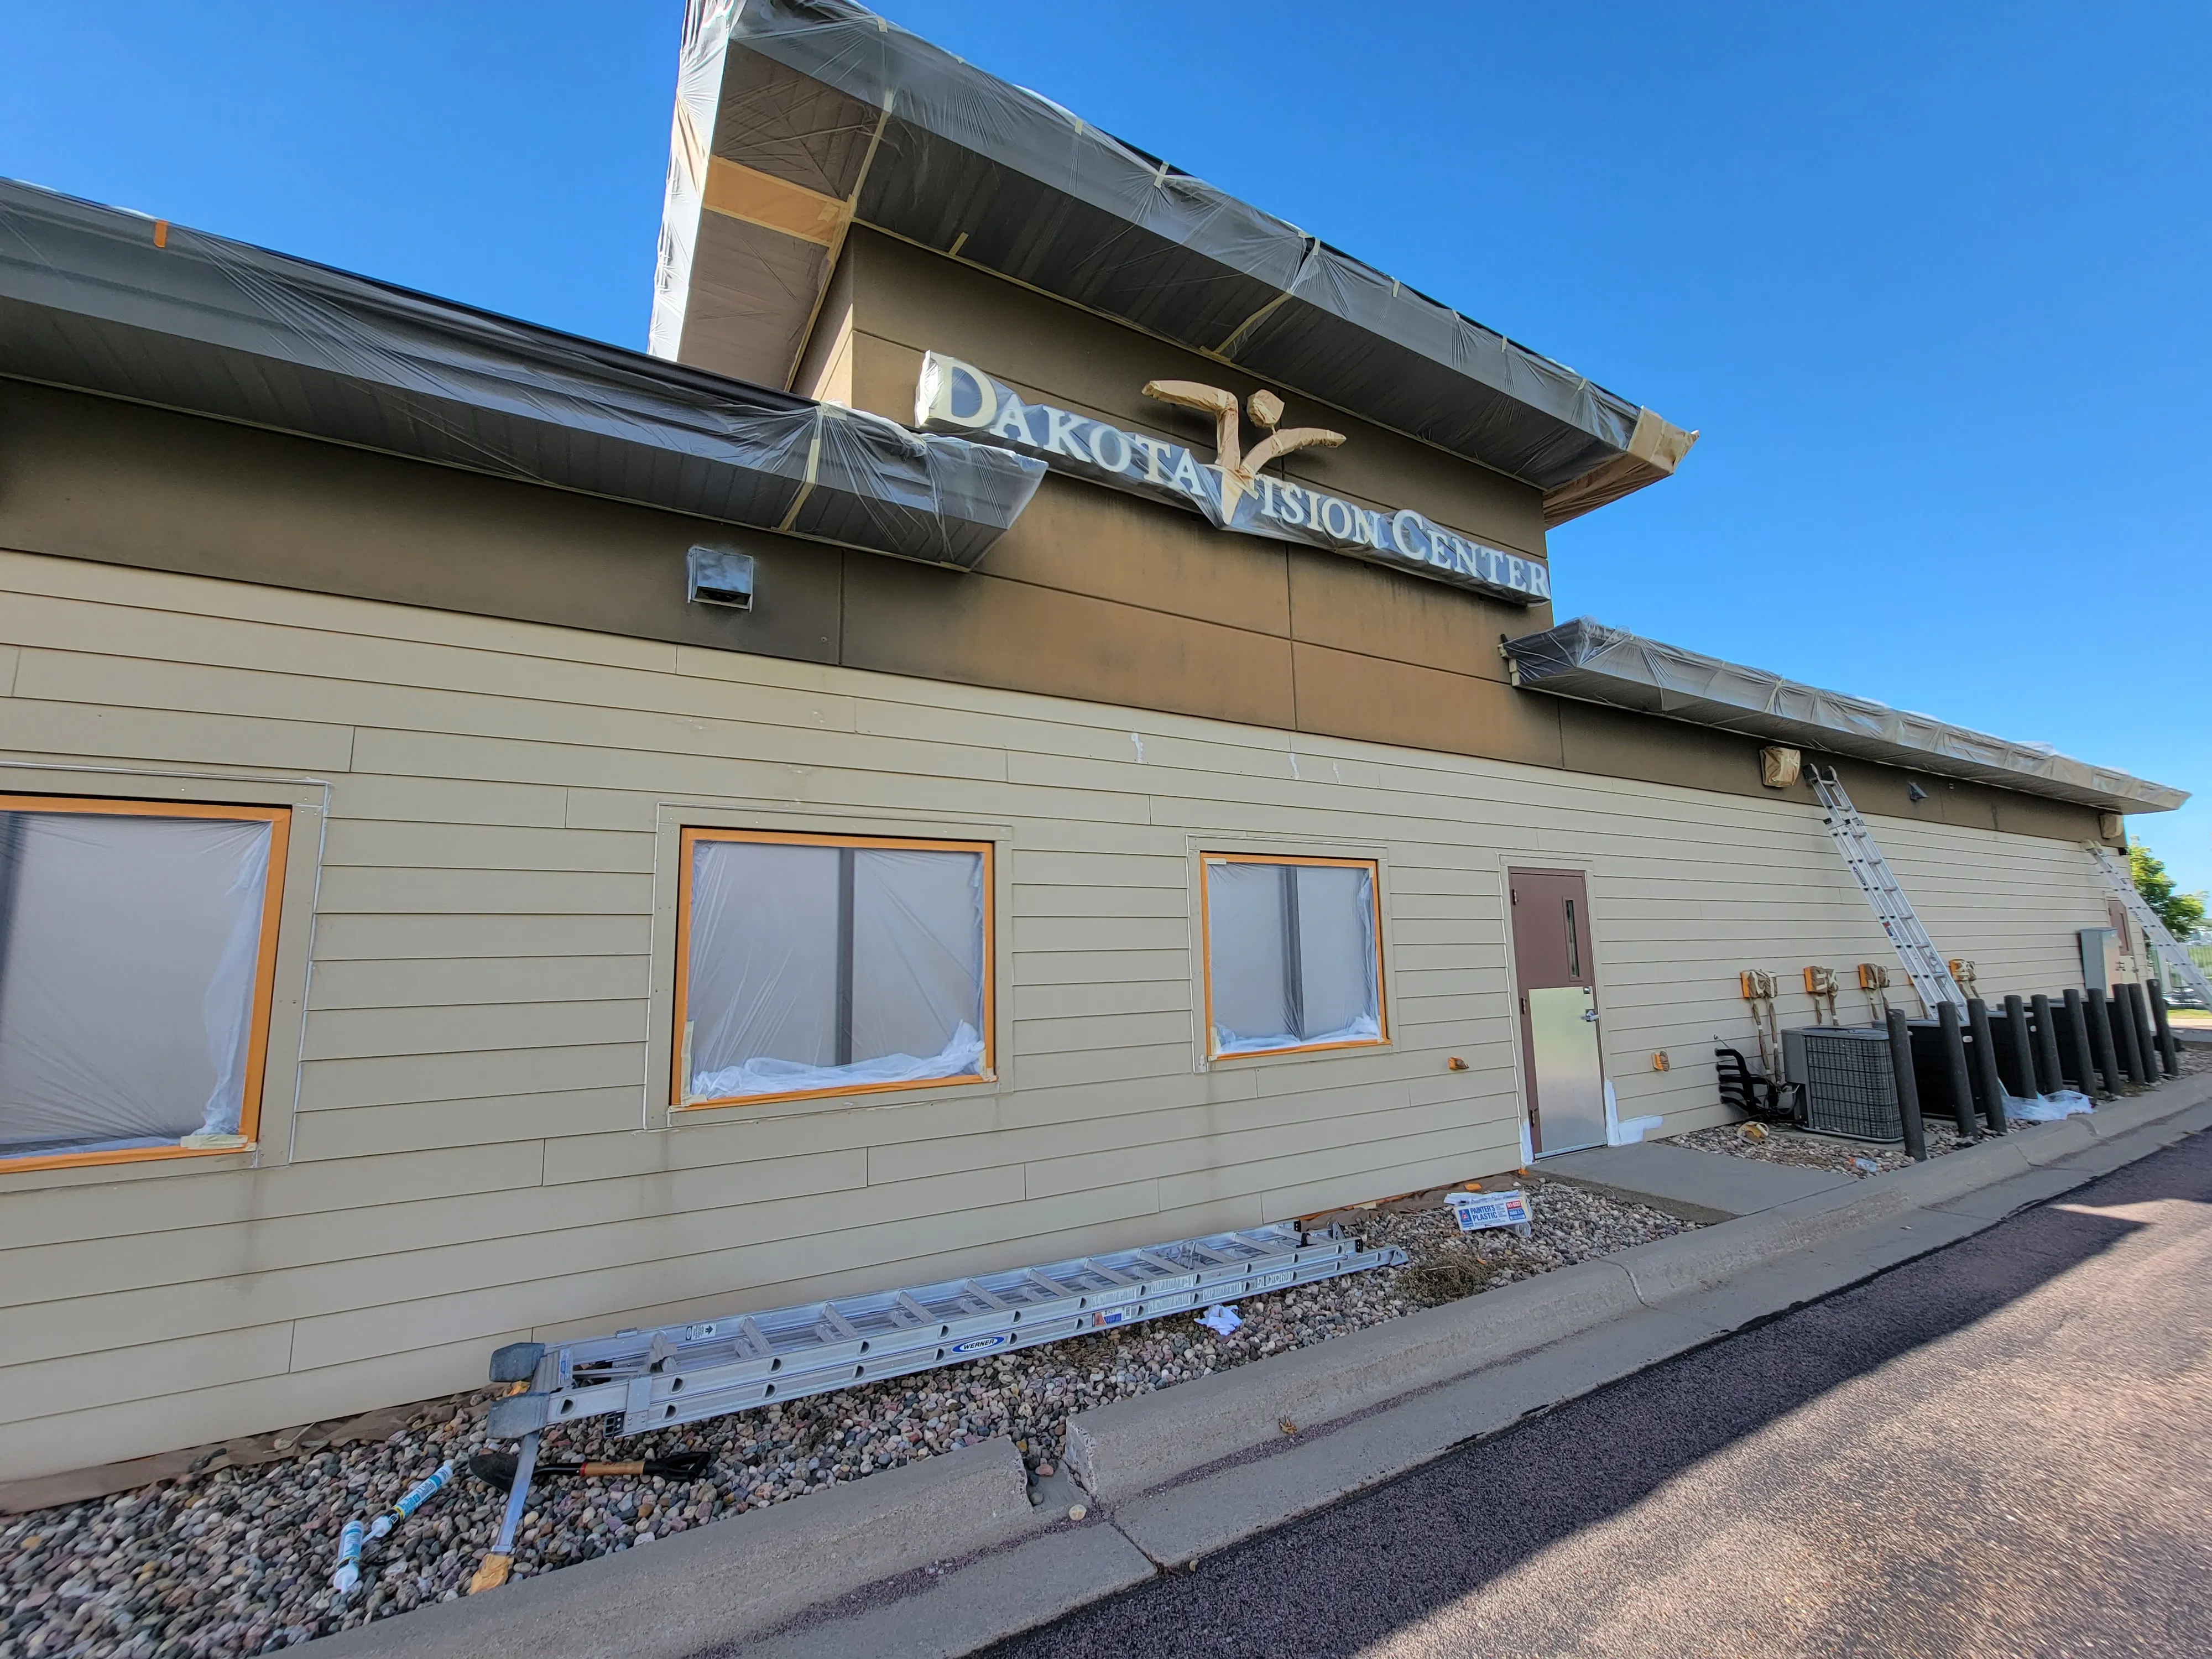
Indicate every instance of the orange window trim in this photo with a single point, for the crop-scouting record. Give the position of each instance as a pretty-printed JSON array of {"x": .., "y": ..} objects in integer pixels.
[
  {"x": 1373, "y": 866},
  {"x": 279, "y": 820},
  {"x": 691, "y": 837}
]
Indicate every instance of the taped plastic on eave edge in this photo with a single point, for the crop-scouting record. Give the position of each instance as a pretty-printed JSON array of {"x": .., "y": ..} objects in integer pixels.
[
  {"x": 1584, "y": 658},
  {"x": 792, "y": 108},
  {"x": 128, "y": 946},
  {"x": 103, "y": 301}
]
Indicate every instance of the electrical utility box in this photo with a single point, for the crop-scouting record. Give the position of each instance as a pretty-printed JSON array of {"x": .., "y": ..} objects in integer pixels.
[{"x": 2101, "y": 959}]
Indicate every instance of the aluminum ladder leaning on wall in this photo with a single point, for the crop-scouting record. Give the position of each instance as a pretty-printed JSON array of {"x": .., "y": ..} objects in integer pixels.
[
  {"x": 1930, "y": 974},
  {"x": 2175, "y": 955}
]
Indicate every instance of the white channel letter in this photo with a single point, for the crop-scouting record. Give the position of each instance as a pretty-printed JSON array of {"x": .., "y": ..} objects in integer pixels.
[
  {"x": 1100, "y": 436},
  {"x": 1059, "y": 436},
  {"x": 1337, "y": 518},
  {"x": 1184, "y": 476},
  {"x": 944, "y": 381},
  {"x": 1405, "y": 526},
  {"x": 1153, "y": 449},
  {"x": 1013, "y": 421}
]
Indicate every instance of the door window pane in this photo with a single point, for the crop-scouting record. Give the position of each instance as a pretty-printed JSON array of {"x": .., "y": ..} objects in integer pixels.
[
  {"x": 1292, "y": 955},
  {"x": 818, "y": 965},
  {"x": 133, "y": 951}
]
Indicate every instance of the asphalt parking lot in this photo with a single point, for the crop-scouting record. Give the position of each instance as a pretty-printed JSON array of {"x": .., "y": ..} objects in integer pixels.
[{"x": 1998, "y": 1450}]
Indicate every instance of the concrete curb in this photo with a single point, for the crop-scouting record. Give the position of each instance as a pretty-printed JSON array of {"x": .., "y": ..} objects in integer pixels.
[
  {"x": 1002, "y": 1595},
  {"x": 1136, "y": 1445},
  {"x": 723, "y": 1583}
]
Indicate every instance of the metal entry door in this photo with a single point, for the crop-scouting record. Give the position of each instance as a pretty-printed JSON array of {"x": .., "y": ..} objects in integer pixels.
[{"x": 1556, "y": 967}]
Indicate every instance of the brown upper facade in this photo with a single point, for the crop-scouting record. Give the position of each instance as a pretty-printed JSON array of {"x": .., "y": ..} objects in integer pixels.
[{"x": 798, "y": 121}]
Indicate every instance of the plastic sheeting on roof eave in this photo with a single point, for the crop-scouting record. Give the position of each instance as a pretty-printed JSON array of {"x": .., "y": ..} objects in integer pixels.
[
  {"x": 89, "y": 300},
  {"x": 878, "y": 125},
  {"x": 1585, "y": 659}
]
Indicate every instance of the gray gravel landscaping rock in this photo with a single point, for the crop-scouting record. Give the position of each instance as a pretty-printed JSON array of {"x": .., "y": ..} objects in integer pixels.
[
  {"x": 238, "y": 1560},
  {"x": 1775, "y": 1144}
]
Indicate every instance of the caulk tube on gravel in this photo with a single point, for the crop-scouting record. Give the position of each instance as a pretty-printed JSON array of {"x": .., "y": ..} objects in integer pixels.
[
  {"x": 348, "y": 1573},
  {"x": 417, "y": 1495}
]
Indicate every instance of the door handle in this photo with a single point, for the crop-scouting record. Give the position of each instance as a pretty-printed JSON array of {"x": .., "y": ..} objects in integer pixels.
[{"x": 1591, "y": 1014}]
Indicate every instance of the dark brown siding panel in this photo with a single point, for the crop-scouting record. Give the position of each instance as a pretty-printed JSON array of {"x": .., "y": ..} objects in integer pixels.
[
  {"x": 1343, "y": 696},
  {"x": 982, "y": 630},
  {"x": 1614, "y": 742},
  {"x": 2057, "y": 820},
  {"x": 92, "y": 478},
  {"x": 1352, "y": 606},
  {"x": 1082, "y": 539}
]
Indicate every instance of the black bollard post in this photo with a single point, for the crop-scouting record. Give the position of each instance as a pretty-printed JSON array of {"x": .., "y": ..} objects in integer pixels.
[
  {"x": 2084, "y": 1074},
  {"x": 2146, "y": 1039},
  {"x": 1954, "y": 1066},
  {"x": 1908, "y": 1087},
  {"x": 2049, "y": 1077},
  {"x": 2169, "y": 1050},
  {"x": 2123, "y": 1021},
  {"x": 2022, "y": 1047},
  {"x": 1985, "y": 1065},
  {"x": 2102, "y": 1049}
]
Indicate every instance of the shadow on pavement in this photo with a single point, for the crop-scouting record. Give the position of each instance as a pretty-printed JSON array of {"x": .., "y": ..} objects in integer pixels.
[{"x": 1342, "y": 1580}]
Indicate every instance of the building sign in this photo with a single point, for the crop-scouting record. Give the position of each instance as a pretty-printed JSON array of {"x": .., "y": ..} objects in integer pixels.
[{"x": 1231, "y": 492}]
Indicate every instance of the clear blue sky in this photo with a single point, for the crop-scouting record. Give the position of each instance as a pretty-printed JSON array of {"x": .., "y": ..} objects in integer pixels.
[{"x": 1932, "y": 280}]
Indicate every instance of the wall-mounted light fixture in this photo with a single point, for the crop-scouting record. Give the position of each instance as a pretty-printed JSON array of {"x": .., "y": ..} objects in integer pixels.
[
  {"x": 1915, "y": 793},
  {"x": 721, "y": 576}
]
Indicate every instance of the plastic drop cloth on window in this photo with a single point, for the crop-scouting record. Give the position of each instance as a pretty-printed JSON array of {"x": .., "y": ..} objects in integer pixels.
[
  {"x": 126, "y": 978},
  {"x": 779, "y": 1001},
  {"x": 1291, "y": 956}
]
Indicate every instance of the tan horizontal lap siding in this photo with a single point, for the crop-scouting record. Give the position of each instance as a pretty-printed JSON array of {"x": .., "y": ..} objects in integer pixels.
[{"x": 468, "y": 1161}]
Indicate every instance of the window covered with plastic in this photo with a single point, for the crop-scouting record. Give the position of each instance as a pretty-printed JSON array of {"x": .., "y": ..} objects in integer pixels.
[
  {"x": 814, "y": 964},
  {"x": 1293, "y": 954},
  {"x": 138, "y": 942}
]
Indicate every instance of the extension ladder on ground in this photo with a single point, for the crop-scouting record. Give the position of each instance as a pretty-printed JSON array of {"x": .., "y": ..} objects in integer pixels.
[
  {"x": 680, "y": 1374},
  {"x": 2175, "y": 955},
  {"x": 1930, "y": 974}
]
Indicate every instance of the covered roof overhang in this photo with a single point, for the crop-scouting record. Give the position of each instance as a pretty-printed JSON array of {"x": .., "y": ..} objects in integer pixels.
[
  {"x": 97, "y": 300},
  {"x": 1587, "y": 660},
  {"x": 796, "y": 120}
]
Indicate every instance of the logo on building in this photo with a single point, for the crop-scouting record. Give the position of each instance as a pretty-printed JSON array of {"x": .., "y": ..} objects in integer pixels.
[
  {"x": 1233, "y": 492},
  {"x": 1239, "y": 471}
]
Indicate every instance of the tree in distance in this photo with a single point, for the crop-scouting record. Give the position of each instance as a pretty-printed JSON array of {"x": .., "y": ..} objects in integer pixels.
[{"x": 2182, "y": 913}]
